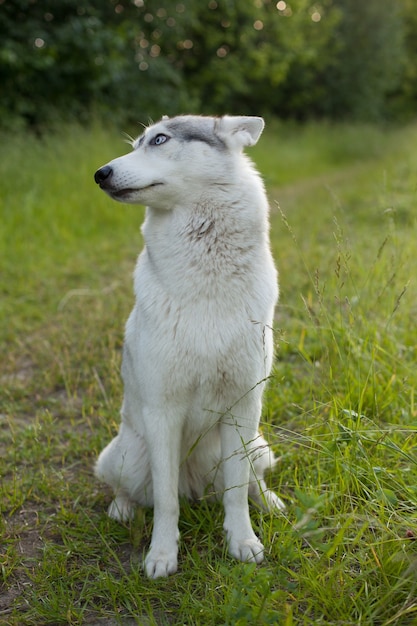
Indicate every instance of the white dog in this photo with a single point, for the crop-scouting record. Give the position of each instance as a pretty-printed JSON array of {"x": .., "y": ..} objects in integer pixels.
[{"x": 198, "y": 346}]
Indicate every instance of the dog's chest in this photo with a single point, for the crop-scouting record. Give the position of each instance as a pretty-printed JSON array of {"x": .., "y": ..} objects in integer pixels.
[
  {"x": 205, "y": 273},
  {"x": 205, "y": 294},
  {"x": 204, "y": 252},
  {"x": 205, "y": 330}
]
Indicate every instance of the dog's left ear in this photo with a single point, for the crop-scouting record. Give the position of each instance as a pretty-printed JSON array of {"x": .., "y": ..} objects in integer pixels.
[{"x": 241, "y": 131}]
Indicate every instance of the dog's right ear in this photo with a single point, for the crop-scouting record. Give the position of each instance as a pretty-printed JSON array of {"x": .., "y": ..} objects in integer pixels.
[{"x": 240, "y": 131}]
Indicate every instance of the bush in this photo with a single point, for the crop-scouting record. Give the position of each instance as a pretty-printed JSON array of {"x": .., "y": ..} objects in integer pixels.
[{"x": 131, "y": 59}]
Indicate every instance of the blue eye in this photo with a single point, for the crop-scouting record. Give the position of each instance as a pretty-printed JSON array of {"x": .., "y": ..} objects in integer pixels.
[{"x": 158, "y": 140}]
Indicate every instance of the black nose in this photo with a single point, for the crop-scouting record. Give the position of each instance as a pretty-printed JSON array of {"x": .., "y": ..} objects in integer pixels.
[{"x": 103, "y": 174}]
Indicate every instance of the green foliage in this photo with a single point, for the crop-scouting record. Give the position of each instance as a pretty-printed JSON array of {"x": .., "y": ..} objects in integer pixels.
[
  {"x": 128, "y": 60},
  {"x": 250, "y": 596},
  {"x": 369, "y": 37},
  {"x": 62, "y": 60},
  {"x": 406, "y": 96}
]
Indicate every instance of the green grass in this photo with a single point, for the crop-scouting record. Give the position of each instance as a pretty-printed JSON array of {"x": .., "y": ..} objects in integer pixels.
[{"x": 340, "y": 409}]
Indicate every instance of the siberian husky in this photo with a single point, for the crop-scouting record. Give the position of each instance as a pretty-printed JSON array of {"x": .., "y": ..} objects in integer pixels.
[{"x": 198, "y": 343}]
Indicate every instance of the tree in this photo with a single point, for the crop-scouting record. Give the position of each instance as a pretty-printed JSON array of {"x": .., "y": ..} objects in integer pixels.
[
  {"x": 70, "y": 57},
  {"x": 367, "y": 60},
  {"x": 135, "y": 59},
  {"x": 404, "y": 99}
]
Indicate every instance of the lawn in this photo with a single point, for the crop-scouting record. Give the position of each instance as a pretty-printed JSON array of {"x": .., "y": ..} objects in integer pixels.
[{"x": 340, "y": 409}]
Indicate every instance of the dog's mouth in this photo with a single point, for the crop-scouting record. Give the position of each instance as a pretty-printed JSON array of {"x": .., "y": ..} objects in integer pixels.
[{"x": 119, "y": 194}]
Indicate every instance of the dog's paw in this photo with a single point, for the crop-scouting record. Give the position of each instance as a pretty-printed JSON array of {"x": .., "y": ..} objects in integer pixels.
[
  {"x": 121, "y": 509},
  {"x": 272, "y": 502},
  {"x": 248, "y": 550},
  {"x": 266, "y": 499},
  {"x": 159, "y": 564}
]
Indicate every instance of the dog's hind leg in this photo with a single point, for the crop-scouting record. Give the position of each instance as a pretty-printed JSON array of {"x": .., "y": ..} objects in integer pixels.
[
  {"x": 261, "y": 460},
  {"x": 124, "y": 465}
]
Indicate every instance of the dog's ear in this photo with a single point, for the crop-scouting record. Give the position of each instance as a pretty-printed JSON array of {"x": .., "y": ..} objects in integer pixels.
[{"x": 241, "y": 131}]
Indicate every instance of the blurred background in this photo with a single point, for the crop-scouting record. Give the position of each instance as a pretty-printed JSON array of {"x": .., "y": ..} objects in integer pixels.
[{"x": 129, "y": 60}]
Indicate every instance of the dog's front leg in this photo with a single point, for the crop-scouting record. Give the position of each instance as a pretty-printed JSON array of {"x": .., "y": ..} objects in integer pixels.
[
  {"x": 243, "y": 544},
  {"x": 164, "y": 439}
]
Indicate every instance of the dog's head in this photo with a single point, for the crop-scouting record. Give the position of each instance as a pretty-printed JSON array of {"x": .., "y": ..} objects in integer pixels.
[{"x": 178, "y": 156}]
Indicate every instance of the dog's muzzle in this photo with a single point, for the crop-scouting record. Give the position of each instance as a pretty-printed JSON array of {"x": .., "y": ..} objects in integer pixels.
[{"x": 103, "y": 176}]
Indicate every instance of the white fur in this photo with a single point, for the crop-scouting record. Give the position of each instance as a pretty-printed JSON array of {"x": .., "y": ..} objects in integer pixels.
[{"x": 198, "y": 344}]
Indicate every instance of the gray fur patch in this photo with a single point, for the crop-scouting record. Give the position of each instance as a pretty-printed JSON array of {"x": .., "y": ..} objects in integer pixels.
[{"x": 194, "y": 128}]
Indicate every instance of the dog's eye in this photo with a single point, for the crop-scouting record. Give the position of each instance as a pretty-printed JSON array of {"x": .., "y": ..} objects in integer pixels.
[{"x": 158, "y": 139}]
